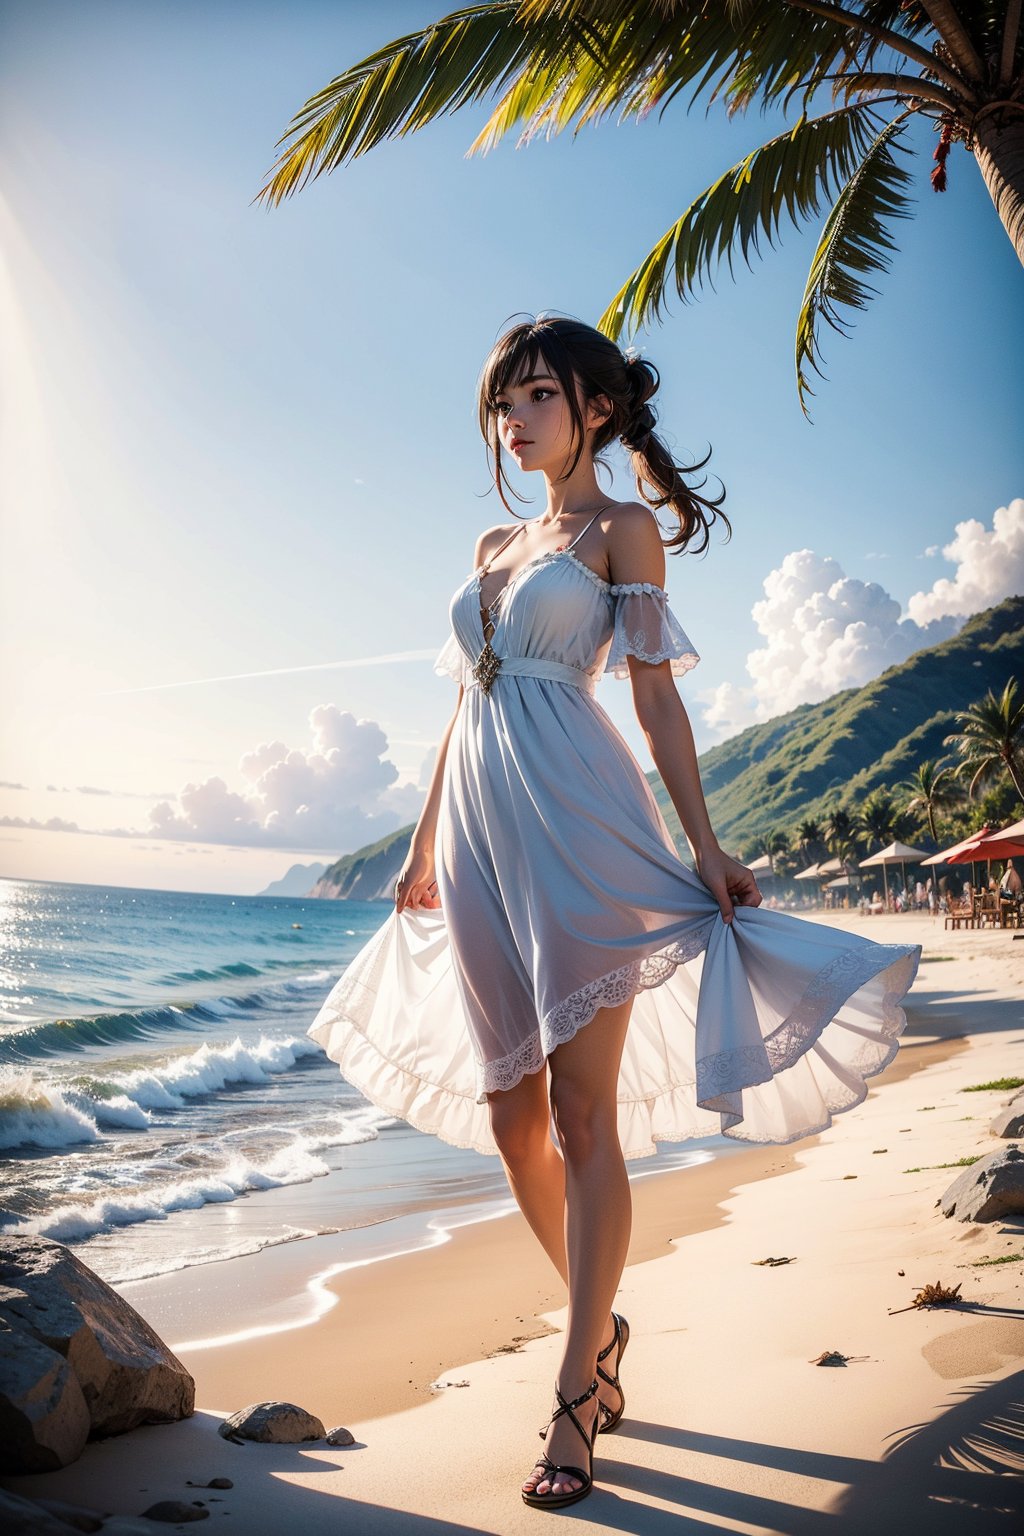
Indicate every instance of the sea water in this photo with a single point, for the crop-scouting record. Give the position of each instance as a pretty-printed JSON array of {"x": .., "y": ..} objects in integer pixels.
[{"x": 162, "y": 1106}]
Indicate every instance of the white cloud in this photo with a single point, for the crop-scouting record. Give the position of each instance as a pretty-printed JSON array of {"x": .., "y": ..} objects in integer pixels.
[
  {"x": 825, "y": 631},
  {"x": 990, "y": 567},
  {"x": 336, "y": 795}
]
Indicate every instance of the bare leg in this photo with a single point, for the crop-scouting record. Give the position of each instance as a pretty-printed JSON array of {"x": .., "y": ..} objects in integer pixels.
[
  {"x": 521, "y": 1125},
  {"x": 584, "y": 1075}
]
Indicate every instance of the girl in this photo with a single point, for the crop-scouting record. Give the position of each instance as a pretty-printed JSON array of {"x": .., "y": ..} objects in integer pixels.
[{"x": 535, "y": 990}]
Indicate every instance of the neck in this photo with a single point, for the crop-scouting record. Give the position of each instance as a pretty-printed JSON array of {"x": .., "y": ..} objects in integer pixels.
[{"x": 566, "y": 501}]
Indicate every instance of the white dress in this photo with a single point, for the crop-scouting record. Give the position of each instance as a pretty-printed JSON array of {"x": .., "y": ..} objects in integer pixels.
[{"x": 562, "y": 892}]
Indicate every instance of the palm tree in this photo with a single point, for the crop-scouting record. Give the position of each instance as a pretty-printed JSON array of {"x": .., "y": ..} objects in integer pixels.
[
  {"x": 811, "y": 839},
  {"x": 771, "y": 844},
  {"x": 840, "y": 833},
  {"x": 878, "y": 817},
  {"x": 990, "y": 739},
  {"x": 552, "y": 63},
  {"x": 929, "y": 791}
]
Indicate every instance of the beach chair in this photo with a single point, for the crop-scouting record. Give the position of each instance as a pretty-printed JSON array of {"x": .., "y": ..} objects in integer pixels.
[
  {"x": 987, "y": 910},
  {"x": 957, "y": 916}
]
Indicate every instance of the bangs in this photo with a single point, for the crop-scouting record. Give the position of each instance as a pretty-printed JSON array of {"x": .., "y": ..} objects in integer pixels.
[{"x": 517, "y": 357}]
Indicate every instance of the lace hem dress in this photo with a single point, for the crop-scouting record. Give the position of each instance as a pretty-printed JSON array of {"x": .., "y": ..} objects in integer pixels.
[{"x": 562, "y": 893}]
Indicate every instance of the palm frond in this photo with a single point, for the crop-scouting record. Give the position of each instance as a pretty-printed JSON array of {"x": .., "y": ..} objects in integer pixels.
[
  {"x": 854, "y": 241},
  {"x": 406, "y": 84},
  {"x": 787, "y": 177}
]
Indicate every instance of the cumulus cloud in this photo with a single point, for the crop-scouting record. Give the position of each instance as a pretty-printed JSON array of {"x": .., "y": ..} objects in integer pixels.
[
  {"x": 337, "y": 794},
  {"x": 824, "y": 631},
  {"x": 990, "y": 566}
]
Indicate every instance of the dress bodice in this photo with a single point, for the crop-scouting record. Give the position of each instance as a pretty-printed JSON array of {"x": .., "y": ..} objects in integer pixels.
[{"x": 557, "y": 609}]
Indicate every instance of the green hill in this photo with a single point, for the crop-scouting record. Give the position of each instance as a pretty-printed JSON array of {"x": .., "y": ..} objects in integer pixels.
[
  {"x": 800, "y": 765},
  {"x": 803, "y": 763}
]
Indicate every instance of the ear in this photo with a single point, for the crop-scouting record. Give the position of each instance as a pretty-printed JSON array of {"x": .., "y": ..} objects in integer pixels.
[{"x": 599, "y": 408}]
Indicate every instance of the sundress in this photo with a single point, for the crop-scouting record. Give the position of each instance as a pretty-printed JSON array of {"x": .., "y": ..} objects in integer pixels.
[{"x": 562, "y": 892}]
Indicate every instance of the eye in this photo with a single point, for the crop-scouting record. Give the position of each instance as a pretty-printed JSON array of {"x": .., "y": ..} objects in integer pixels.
[{"x": 498, "y": 406}]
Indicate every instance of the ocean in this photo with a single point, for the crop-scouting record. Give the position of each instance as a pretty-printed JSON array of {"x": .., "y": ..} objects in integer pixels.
[{"x": 161, "y": 1105}]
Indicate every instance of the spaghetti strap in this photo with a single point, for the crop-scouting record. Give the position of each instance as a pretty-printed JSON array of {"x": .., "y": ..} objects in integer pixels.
[
  {"x": 582, "y": 531},
  {"x": 487, "y": 563}
]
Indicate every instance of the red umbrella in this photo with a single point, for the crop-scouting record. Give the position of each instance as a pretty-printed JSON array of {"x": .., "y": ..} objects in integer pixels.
[
  {"x": 1007, "y": 843},
  {"x": 960, "y": 852}
]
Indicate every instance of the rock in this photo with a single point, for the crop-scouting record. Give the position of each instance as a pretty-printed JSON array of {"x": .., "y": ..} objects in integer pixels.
[
  {"x": 124, "y": 1372},
  {"x": 79, "y": 1519},
  {"x": 173, "y": 1511},
  {"x": 1010, "y": 1120},
  {"x": 340, "y": 1436},
  {"x": 991, "y": 1188},
  {"x": 215, "y": 1482},
  {"x": 44, "y": 1420},
  {"x": 283, "y": 1423},
  {"x": 24, "y": 1517}
]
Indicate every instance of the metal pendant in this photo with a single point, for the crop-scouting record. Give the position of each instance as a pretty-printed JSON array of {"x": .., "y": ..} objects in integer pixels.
[{"x": 485, "y": 668}]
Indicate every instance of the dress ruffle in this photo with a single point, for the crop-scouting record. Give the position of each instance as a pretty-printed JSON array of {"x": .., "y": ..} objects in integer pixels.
[
  {"x": 646, "y": 627},
  {"x": 761, "y": 1030}
]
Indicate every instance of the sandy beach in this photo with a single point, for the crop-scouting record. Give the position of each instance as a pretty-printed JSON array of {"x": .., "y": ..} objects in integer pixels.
[{"x": 441, "y": 1361}]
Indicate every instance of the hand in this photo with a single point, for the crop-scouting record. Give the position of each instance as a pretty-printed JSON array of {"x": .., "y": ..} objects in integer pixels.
[
  {"x": 416, "y": 886},
  {"x": 729, "y": 881}
]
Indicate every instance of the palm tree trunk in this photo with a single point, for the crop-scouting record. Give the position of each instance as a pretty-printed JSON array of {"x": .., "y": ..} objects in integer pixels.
[
  {"x": 1000, "y": 156},
  {"x": 931, "y": 823},
  {"x": 1014, "y": 769}
]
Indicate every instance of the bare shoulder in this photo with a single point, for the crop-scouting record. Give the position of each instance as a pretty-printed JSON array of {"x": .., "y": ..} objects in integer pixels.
[
  {"x": 490, "y": 540},
  {"x": 636, "y": 551}
]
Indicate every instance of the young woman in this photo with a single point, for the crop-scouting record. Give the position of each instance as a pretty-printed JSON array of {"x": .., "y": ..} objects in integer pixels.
[{"x": 554, "y": 983}]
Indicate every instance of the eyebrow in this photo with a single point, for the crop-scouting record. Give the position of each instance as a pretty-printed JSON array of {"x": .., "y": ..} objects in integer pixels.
[{"x": 531, "y": 379}]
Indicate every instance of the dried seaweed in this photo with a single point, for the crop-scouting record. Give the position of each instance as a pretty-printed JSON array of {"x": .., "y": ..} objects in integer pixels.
[
  {"x": 773, "y": 1261},
  {"x": 932, "y": 1295}
]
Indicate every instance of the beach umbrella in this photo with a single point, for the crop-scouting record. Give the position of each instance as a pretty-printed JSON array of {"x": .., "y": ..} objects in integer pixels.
[
  {"x": 810, "y": 873},
  {"x": 831, "y": 867},
  {"x": 1001, "y": 845},
  {"x": 952, "y": 855},
  {"x": 896, "y": 853},
  {"x": 761, "y": 866},
  {"x": 840, "y": 884}
]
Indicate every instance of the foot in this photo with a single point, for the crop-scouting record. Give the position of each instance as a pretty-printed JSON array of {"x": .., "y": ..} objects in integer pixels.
[{"x": 563, "y": 1445}]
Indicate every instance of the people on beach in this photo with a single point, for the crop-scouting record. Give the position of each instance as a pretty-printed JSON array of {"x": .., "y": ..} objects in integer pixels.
[{"x": 550, "y": 957}]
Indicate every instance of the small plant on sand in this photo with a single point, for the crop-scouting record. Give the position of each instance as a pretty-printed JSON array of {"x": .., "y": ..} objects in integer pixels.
[
  {"x": 961, "y": 1162},
  {"x": 773, "y": 1262},
  {"x": 1004, "y": 1258},
  {"x": 933, "y": 1295},
  {"x": 998, "y": 1085},
  {"x": 830, "y": 1357}
]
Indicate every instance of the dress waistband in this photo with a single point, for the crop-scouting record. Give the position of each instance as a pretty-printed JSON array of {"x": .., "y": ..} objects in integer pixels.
[{"x": 539, "y": 666}]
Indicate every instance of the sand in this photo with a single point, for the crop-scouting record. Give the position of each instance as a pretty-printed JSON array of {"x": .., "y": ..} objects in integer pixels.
[{"x": 729, "y": 1426}]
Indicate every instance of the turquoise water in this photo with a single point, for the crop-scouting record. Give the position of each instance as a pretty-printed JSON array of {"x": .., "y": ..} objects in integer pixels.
[{"x": 155, "y": 1074}]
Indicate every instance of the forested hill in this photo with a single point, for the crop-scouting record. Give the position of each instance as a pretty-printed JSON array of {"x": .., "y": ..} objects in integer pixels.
[
  {"x": 800, "y": 765},
  {"x": 818, "y": 756}
]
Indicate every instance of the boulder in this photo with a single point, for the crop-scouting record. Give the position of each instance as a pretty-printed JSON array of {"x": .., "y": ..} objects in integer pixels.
[
  {"x": 1010, "y": 1120},
  {"x": 44, "y": 1421},
  {"x": 339, "y": 1435},
  {"x": 284, "y": 1423},
  {"x": 991, "y": 1188},
  {"x": 24, "y": 1517},
  {"x": 81, "y": 1519},
  {"x": 124, "y": 1372}
]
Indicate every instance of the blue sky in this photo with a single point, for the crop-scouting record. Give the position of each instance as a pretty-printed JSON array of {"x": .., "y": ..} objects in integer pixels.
[{"x": 244, "y": 441}]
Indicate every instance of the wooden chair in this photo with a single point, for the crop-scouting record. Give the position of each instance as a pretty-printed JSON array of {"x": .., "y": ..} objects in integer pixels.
[{"x": 957, "y": 915}]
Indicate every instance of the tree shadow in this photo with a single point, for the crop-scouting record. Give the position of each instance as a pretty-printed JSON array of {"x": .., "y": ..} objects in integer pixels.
[{"x": 961, "y": 1474}]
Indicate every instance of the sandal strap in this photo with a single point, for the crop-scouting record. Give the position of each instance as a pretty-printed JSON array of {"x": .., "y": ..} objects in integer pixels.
[
  {"x": 567, "y": 1408},
  {"x": 604, "y": 1353}
]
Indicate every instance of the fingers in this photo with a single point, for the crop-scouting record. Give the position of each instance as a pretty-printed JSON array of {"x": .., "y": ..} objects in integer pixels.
[
  {"x": 416, "y": 894},
  {"x": 721, "y": 895}
]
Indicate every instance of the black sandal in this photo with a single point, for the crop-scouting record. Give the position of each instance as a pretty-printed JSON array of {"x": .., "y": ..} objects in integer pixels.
[
  {"x": 586, "y": 1478},
  {"x": 621, "y": 1339}
]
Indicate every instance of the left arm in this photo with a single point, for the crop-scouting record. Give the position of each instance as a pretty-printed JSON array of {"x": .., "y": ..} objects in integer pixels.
[{"x": 636, "y": 553}]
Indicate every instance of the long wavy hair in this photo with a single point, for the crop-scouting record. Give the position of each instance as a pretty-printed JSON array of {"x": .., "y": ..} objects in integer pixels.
[{"x": 572, "y": 353}]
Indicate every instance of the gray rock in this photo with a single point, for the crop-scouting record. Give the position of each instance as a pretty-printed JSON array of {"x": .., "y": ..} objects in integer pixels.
[
  {"x": 284, "y": 1423},
  {"x": 990, "y": 1189},
  {"x": 1010, "y": 1121},
  {"x": 340, "y": 1436},
  {"x": 44, "y": 1420},
  {"x": 125, "y": 1374},
  {"x": 174, "y": 1511},
  {"x": 24, "y": 1517},
  {"x": 81, "y": 1519}
]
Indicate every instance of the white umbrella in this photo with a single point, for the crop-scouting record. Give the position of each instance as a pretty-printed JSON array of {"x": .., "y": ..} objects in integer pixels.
[
  {"x": 761, "y": 866},
  {"x": 810, "y": 873},
  {"x": 896, "y": 853}
]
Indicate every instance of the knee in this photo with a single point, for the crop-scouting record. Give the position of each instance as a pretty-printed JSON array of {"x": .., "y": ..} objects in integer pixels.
[
  {"x": 584, "y": 1121},
  {"x": 521, "y": 1131}
]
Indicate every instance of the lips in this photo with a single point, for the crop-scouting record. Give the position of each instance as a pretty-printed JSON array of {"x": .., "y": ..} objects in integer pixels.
[{"x": 519, "y": 442}]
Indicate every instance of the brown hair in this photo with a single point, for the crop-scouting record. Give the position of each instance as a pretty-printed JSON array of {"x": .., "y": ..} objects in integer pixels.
[{"x": 574, "y": 351}]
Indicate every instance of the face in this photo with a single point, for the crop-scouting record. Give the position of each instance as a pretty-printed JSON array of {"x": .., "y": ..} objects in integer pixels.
[{"x": 535, "y": 424}]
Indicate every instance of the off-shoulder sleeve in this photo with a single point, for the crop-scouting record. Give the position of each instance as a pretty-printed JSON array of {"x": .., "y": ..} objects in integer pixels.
[
  {"x": 451, "y": 661},
  {"x": 646, "y": 627}
]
